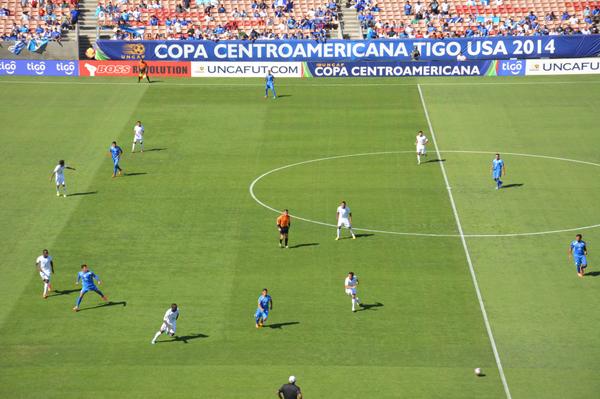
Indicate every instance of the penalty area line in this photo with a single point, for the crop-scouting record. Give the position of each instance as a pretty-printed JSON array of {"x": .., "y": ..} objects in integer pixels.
[{"x": 486, "y": 321}]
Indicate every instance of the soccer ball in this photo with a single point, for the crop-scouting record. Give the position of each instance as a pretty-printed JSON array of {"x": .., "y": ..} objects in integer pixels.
[{"x": 478, "y": 372}]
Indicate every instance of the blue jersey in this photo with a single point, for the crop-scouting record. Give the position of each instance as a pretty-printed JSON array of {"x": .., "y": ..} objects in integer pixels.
[
  {"x": 115, "y": 151},
  {"x": 264, "y": 300},
  {"x": 578, "y": 248},
  {"x": 87, "y": 279},
  {"x": 497, "y": 165},
  {"x": 270, "y": 79}
]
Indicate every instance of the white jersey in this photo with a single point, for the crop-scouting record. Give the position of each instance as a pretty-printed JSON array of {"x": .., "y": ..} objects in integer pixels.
[
  {"x": 350, "y": 285},
  {"x": 421, "y": 140},
  {"x": 138, "y": 132},
  {"x": 171, "y": 317},
  {"x": 343, "y": 213},
  {"x": 45, "y": 264},
  {"x": 59, "y": 170}
]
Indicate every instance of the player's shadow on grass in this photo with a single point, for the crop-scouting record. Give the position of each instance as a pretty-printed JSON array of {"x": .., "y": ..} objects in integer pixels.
[
  {"x": 512, "y": 185},
  {"x": 105, "y": 305},
  {"x": 281, "y": 325},
  {"x": 64, "y": 292},
  {"x": 435, "y": 160},
  {"x": 593, "y": 274},
  {"x": 134, "y": 174},
  {"x": 308, "y": 244},
  {"x": 284, "y": 95},
  {"x": 370, "y": 306},
  {"x": 186, "y": 338},
  {"x": 364, "y": 235},
  {"x": 83, "y": 193},
  {"x": 155, "y": 149}
]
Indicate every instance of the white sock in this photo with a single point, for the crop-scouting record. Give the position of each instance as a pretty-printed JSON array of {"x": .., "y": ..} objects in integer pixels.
[
  {"x": 353, "y": 303},
  {"x": 156, "y": 336},
  {"x": 352, "y": 232},
  {"x": 142, "y": 145},
  {"x": 339, "y": 230},
  {"x": 65, "y": 190},
  {"x": 45, "y": 289},
  {"x": 357, "y": 300},
  {"x": 133, "y": 147},
  {"x": 418, "y": 158}
]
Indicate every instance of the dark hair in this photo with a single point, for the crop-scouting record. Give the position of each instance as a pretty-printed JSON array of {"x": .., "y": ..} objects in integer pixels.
[
  {"x": 578, "y": 235},
  {"x": 264, "y": 289},
  {"x": 44, "y": 250},
  {"x": 352, "y": 273},
  {"x": 61, "y": 162},
  {"x": 114, "y": 142},
  {"x": 84, "y": 265},
  {"x": 173, "y": 305}
]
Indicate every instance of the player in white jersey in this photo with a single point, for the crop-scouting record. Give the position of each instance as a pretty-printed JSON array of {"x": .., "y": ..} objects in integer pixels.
[
  {"x": 350, "y": 284},
  {"x": 138, "y": 136},
  {"x": 45, "y": 267},
  {"x": 421, "y": 143},
  {"x": 344, "y": 218},
  {"x": 169, "y": 324},
  {"x": 58, "y": 173}
]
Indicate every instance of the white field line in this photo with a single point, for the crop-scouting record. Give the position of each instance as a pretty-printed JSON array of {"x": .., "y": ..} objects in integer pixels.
[
  {"x": 324, "y": 84},
  {"x": 486, "y": 321}
]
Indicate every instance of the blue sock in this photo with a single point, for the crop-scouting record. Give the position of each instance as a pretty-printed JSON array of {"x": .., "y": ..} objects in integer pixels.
[
  {"x": 274, "y": 94},
  {"x": 578, "y": 269},
  {"x": 79, "y": 301},
  {"x": 267, "y": 92},
  {"x": 99, "y": 293}
]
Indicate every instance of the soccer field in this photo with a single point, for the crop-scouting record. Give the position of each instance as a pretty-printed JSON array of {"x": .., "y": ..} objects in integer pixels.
[{"x": 190, "y": 223}]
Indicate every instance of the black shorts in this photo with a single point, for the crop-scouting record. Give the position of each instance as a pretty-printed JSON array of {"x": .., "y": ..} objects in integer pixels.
[{"x": 284, "y": 230}]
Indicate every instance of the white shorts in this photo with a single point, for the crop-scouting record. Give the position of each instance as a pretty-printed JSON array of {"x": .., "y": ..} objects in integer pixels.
[
  {"x": 420, "y": 148},
  {"x": 138, "y": 140},
  {"x": 165, "y": 329},
  {"x": 350, "y": 291},
  {"x": 344, "y": 222},
  {"x": 45, "y": 276},
  {"x": 60, "y": 179}
]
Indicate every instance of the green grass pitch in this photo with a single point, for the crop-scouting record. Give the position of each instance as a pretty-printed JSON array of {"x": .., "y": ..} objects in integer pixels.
[{"x": 183, "y": 227}]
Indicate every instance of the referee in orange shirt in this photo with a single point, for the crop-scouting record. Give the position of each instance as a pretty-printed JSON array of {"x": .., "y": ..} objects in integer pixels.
[{"x": 283, "y": 225}]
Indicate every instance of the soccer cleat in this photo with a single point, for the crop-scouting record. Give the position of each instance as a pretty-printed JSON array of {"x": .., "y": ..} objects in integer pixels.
[
  {"x": 57, "y": 194},
  {"x": 280, "y": 245},
  {"x": 354, "y": 237},
  {"x": 119, "y": 173},
  {"x": 153, "y": 342},
  {"x": 65, "y": 195},
  {"x": 287, "y": 246},
  {"x": 354, "y": 310},
  {"x": 45, "y": 296},
  {"x": 75, "y": 309},
  {"x": 580, "y": 274},
  {"x": 337, "y": 238},
  {"x": 105, "y": 298}
]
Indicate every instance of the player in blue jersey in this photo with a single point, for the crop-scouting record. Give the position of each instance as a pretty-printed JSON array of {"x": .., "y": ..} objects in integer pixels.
[
  {"x": 265, "y": 303},
  {"x": 578, "y": 250},
  {"x": 270, "y": 85},
  {"x": 498, "y": 170},
  {"x": 115, "y": 152},
  {"x": 87, "y": 277}
]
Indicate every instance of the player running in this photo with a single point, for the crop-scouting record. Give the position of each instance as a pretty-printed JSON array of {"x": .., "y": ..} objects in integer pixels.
[
  {"x": 59, "y": 176},
  {"x": 138, "y": 136},
  {"x": 143, "y": 71},
  {"x": 265, "y": 304},
  {"x": 498, "y": 170},
  {"x": 169, "y": 325},
  {"x": 45, "y": 267},
  {"x": 421, "y": 143},
  {"x": 350, "y": 284},
  {"x": 115, "y": 152},
  {"x": 283, "y": 225},
  {"x": 87, "y": 277},
  {"x": 270, "y": 85},
  {"x": 578, "y": 250},
  {"x": 344, "y": 218}
]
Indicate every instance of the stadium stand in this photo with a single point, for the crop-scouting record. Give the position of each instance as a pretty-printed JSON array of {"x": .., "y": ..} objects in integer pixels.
[
  {"x": 228, "y": 19},
  {"x": 37, "y": 19},
  {"x": 460, "y": 18}
]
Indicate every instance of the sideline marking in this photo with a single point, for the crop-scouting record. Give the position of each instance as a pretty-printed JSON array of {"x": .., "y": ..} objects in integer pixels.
[
  {"x": 535, "y": 233},
  {"x": 488, "y": 327}
]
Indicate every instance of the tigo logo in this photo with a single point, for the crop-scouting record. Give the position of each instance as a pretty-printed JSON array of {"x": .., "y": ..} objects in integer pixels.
[
  {"x": 68, "y": 68},
  {"x": 511, "y": 68},
  {"x": 8, "y": 67},
  {"x": 38, "y": 68}
]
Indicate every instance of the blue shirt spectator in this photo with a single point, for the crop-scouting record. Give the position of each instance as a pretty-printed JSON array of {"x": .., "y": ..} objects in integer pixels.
[{"x": 407, "y": 8}]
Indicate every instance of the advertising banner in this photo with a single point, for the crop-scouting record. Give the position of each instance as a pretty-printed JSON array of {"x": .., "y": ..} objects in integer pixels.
[
  {"x": 131, "y": 68},
  {"x": 480, "y": 48},
  {"x": 569, "y": 66},
  {"x": 247, "y": 69},
  {"x": 360, "y": 69},
  {"x": 38, "y": 68}
]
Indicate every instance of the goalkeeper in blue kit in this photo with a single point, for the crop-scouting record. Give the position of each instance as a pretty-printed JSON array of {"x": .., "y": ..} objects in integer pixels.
[
  {"x": 87, "y": 277},
  {"x": 270, "y": 85}
]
